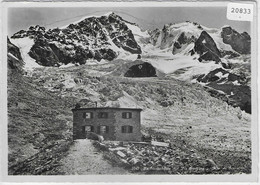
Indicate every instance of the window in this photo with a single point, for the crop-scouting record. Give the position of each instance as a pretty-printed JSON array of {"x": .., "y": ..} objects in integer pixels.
[
  {"x": 127, "y": 129},
  {"x": 87, "y": 115},
  {"x": 103, "y": 129},
  {"x": 102, "y": 115},
  {"x": 89, "y": 128},
  {"x": 127, "y": 115}
]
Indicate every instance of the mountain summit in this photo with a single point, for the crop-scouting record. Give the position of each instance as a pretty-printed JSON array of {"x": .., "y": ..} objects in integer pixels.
[{"x": 97, "y": 38}]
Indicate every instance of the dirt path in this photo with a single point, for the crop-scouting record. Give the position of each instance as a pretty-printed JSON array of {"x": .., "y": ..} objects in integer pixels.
[{"x": 84, "y": 159}]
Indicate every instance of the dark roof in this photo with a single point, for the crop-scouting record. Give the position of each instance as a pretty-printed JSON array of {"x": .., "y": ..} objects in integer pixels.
[{"x": 117, "y": 108}]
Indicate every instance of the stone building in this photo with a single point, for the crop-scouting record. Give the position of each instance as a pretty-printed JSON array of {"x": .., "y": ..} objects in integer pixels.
[{"x": 121, "y": 124}]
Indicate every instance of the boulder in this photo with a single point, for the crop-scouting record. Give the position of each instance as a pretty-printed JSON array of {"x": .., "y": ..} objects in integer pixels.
[
  {"x": 162, "y": 144},
  {"x": 121, "y": 154},
  {"x": 134, "y": 161}
]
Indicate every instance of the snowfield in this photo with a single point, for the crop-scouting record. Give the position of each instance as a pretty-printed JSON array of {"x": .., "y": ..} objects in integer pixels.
[{"x": 25, "y": 44}]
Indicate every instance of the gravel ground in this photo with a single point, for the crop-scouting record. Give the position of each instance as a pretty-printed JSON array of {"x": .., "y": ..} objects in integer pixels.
[{"x": 84, "y": 159}]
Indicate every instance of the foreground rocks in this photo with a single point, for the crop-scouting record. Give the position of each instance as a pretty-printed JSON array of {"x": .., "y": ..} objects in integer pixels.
[
  {"x": 45, "y": 162},
  {"x": 148, "y": 158}
]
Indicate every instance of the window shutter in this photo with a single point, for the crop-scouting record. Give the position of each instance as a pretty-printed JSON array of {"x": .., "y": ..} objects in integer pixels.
[
  {"x": 92, "y": 128},
  {"x": 107, "y": 129},
  {"x": 123, "y": 129},
  {"x": 84, "y": 115},
  {"x": 83, "y": 129},
  {"x": 130, "y": 129},
  {"x": 98, "y": 129},
  {"x": 91, "y": 115},
  {"x": 123, "y": 115},
  {"x": 130, "y": 114}
]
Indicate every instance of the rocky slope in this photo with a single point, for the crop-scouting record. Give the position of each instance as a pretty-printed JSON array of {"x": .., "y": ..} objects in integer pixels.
[
  {"x": 229, "y": 87},
  {"x": 39, "y": 126},
  {"x": 14, "y": 57},
  {"x": 37, "y": 135},
  {"x": 180, "y": 111}
]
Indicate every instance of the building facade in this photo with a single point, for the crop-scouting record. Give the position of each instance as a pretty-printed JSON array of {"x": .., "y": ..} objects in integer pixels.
[{"x": 121, "y": 124}]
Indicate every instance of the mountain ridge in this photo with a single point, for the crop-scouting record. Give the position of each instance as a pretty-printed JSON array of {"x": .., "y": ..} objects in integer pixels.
[{"x": 184, "y": 51}]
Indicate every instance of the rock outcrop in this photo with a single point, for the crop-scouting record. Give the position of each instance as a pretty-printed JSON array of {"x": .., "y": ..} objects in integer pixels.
[
  {"x": 207, "y": 48},
  {"x": 182, "y": 40},
  {"x": 228, "y": 87},
  {"x": 141, "y": 70},
  {"x": 241, "y": 43},
  {"x": 219, "y": 75},
  {"x": 154, "y": 34},
  {"x": 14, "y": 57}
]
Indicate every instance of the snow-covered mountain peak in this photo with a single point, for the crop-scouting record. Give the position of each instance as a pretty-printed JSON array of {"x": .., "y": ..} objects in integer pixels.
[
  {"x": 112, "y": 14},
  {"x": 172, "y": 32},
  {"x": 94, "y": 37}
]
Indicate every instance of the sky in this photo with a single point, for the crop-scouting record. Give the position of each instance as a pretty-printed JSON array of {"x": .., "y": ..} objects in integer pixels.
[{"x": 146, "y": 17}]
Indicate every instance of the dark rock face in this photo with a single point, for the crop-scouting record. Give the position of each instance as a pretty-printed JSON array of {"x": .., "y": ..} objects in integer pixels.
[
  {"x": 31, "y": 32},
  {"x": 229, "y": 54},
  {"x": 141, "y": 70},
  {"x": 43, "y": 54},
  {"x": 241, "y": 43},
  {"x": 240, "y": 96},
  {"x": 181, "y": 41},
  {"x": 235, "y": 95},
  {"x": 88, "y": 39},
  {"x": 207, "y": 48},
  {"x": 14, "y": 58},
  {"x": 225, "y": 75},
  {"x": 154, "y": 34}
]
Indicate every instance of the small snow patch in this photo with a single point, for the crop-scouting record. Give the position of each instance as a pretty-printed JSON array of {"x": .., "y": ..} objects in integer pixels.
[
  {"x": 236, "y": 83},
  {"x": 68, "y": 65},
  {"x": 219, "y": 74}
]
